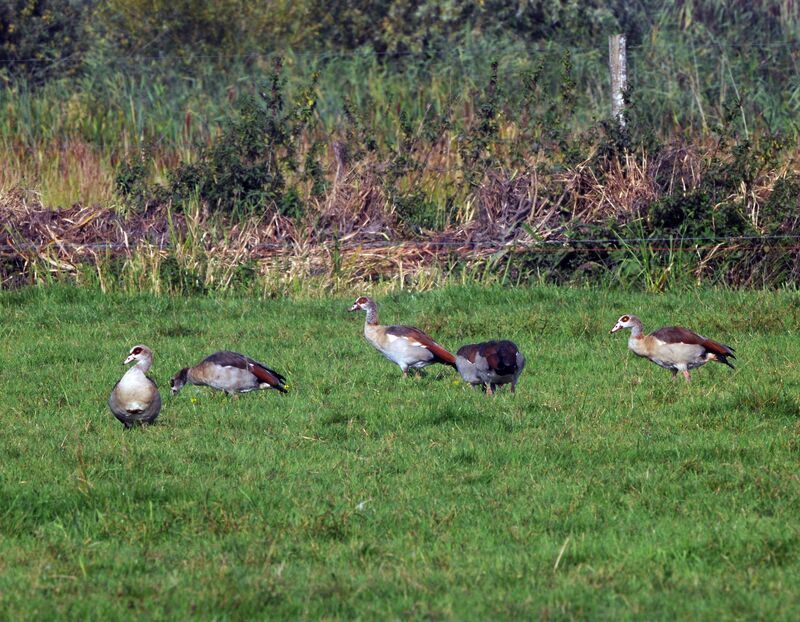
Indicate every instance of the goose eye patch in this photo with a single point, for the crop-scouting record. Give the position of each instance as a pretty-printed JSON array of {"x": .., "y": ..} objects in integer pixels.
[
  {"x": 625, "y": 318},
  {"x": 136, "y": 351}
]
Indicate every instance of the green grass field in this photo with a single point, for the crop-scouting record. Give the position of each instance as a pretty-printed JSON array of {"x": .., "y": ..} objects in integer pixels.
[{"x": 602, "y": 490}]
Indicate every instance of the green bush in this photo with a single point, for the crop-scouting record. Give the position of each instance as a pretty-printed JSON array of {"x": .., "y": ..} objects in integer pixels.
[
  {"x": 42, "y": 39},
  {"x": 716, "y": 207},
  {"x": 416, "y": 211},
  {"x": 245, "y": 169},
  {"x": 781, "y": 211}
]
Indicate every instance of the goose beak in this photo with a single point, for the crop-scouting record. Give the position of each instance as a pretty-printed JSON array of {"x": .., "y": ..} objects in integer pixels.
[
  {"x": 355, "y": 307},
  {"x": 615, "y": 329},
  {"x": 128, "y": 360}
]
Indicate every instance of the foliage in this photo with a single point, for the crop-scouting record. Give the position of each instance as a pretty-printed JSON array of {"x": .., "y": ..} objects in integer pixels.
[
  {"x": 718, "y": 205},
  {"x": 471, "y": 133},
  {"x": 245, "y": 168},
  {"x": 42, "y": 39},
  {"x": 781, "y": 211},
  {"x": 191, "y": 33},
  {"x": 132, "y": 180},
  {"x": 132, "y": 34}
]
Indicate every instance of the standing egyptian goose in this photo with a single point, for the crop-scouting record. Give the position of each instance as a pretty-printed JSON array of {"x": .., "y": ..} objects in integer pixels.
[
  {"x": 490, "y": 364},
  {"x": 135, "y": 398},
  {"x": 408, "y": 347},
  {"x": 230, "y": 372},
  {"x": 673, "y": 347}
]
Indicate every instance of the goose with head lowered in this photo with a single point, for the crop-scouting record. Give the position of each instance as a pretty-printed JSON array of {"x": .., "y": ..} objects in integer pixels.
[
  {"x": 673, "y": 347},
  {"x": 405, "y": 346},
  {"x": 230, "y": 372},
  {"x": 490, "y": 364},
  {"x": 135, "y": 398}
]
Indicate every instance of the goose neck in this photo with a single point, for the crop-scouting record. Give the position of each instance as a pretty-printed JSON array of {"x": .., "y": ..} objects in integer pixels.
[{"x": 372, "y": 313}]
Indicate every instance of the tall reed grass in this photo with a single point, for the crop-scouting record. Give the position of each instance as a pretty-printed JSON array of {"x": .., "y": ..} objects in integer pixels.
[
  {"x": 491, "y": 144},
  {"x": 678, "y": 85}
]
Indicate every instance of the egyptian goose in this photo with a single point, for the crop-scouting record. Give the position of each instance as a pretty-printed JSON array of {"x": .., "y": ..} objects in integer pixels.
[
  {"x": 673, "y": 347},
  {"x": 406, "y": 346},
  {"x": 490, "y": 364},
  {"x": 135, "y": 398},
  {"x": 230, "y": 372}
]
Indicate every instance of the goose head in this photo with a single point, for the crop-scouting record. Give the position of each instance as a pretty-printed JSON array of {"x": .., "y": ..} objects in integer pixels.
[
  {"x": 178, "y": 380},
  {"x": 142, "y": 355},
  {"x": 626, "y": 321},
  {"x": 362, "y": 303}
]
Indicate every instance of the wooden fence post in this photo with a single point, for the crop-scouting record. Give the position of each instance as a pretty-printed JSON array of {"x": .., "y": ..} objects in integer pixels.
[{"x": 618, "y": 67}]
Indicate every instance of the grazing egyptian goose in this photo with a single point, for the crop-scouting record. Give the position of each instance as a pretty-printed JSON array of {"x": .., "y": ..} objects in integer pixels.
[
  {"x": 135, "y": 398},
  {"x": 408, "y": 347},
  {"x": 230, "y": 372},
  {"x": 490, "y": 364},
  {"x": 673, "y": 347}
]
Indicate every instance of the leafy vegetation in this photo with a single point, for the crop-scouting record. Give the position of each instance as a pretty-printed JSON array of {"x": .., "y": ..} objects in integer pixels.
[
  {"x": 602, "y": 489},
  {"x": 432, "y": 124},
  {"x": 246, "y": 166}
]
